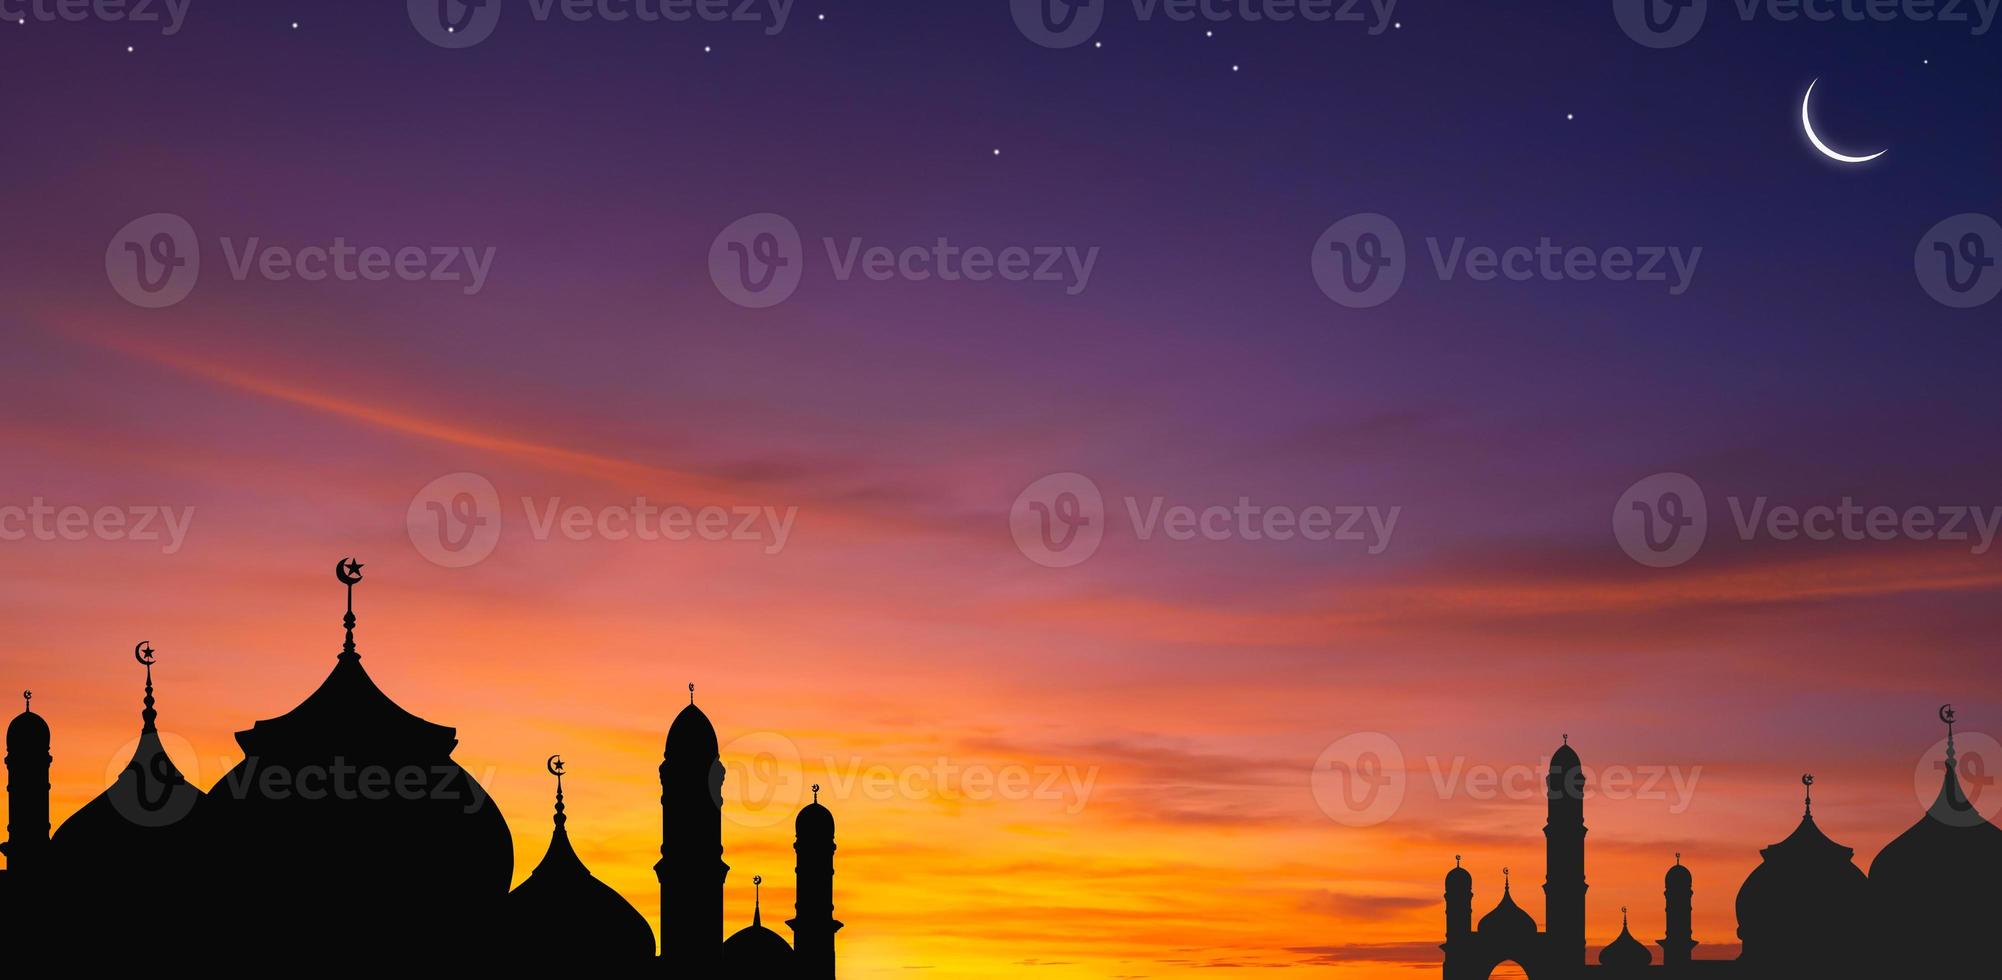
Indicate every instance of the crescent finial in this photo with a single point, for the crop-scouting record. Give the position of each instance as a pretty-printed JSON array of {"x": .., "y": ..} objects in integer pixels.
[
  {"x": 143, "y": 652},
  {"x": 27, "y": 700},
  {"x": 348, "y": 571},
  {"x": 555, "y": 765},
  {"x": 1946, "y": 713}
]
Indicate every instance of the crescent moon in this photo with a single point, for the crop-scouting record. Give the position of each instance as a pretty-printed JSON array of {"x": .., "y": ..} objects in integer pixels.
[
  {"x": 1807, "y": 126},
  {"x": 143, "y": 652},
  {"x": 555, "y": 765},
  {"x": 1946, "y": 713},
  {"x": 341, "y": 572}
]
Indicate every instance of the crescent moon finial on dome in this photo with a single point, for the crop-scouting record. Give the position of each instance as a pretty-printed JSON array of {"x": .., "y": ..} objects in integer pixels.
[
  {"x": 1946, "y": 713},
  {"x": 143, "y": 652},
  {"x": 27, "y": 700},
  {"x": 555, "y": 765},
  {"x": 348, "y": 571}
]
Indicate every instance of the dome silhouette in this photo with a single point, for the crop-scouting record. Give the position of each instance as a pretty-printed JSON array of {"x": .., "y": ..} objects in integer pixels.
[
  {"x": 691, "y": 736},
  {"x": 392, "y": 838},
  {"x": 1507, "y": 919},
  {"x": 595, "y": 925},
  {"x": 1626, "y": 952},
  {"x": 755, "y": 951},
  {"x": 1938, "y": 878},
  {"x": 28, "y": 730},
  {"x": 1804, "y": 901}
]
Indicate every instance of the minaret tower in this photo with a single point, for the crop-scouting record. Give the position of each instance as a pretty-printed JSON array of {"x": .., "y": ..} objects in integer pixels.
[
  {"x": 1677, "y": 941},
  {"x": 27, "y": 790},
  {"x": 691, "y": 869},
  {"x": 813, "y": 923},
  {"x": 1459, "y": 903},
  {"x": 1564, "y": 858}
]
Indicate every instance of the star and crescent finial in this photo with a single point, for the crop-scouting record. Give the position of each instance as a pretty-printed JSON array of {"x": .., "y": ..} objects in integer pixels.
[
  {"x": 27, "y": 700},
  {"x": 143, "y": 652},
  {"x": 555, "y": 767},
  {"x": 1946, "y": 715},
  {"x": 691, "y": 692},
  {"x": 1807, "y": 780},
  {"x": 348, "y": 571}
]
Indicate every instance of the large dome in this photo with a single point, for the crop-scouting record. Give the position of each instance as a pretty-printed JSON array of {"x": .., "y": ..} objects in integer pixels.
[
  {"x": 1804, "y": 903},
  {"x": 1937, "y": 880},
  {"x": 1507, "y": 919},
  {"x": 349, "y": 810}
]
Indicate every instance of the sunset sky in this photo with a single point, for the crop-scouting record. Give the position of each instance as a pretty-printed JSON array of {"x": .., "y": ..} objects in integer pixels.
[{"x": 1101, "y": 770}]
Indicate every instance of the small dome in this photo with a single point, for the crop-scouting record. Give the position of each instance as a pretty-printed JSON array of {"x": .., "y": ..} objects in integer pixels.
[
  {"x": 814, "y": 821},
  {"x": 1458, "y": 880},
  {"x": 1677, "y": 876},
  {"x": 756, "y": 951},
  {"x": 1565, "y": 757},
  {"x": 691, "y": 736},
  {"x": 1626, "y": 952},
  {"x": 562, "y": 898},
  {"x": 1805, "y": 895},
  {"x": 27, "y": 733},
  {"x": 1507, "y": 919}
]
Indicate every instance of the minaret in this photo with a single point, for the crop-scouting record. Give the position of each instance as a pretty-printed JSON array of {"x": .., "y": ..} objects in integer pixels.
[
  {"x": 1564, "y": 859},
  {"x": 691, "y": 869},
  {"x": 27, "y": 790},
  {"x": 1677, "y": 940},
  {"x": 1459, "y": 902},
  {"x": 813, "y": 924}
]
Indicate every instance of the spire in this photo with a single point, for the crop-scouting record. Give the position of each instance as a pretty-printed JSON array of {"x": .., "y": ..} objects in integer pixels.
[
  {"x": 1946, "y": 715},
  {"x": 556, "y": 768},
  {"x": 757, "y": 900},
  {"x": 691, "y": 692},
  {"x": 1456, "y": 860},
  {"x": 27, "y": 701},
  {"x": 1504, "y": 882},
  {"x": 816, "y": 792},
  {"x": 144, "y": 654},
  {"x": 1807, "y": 780},
  {"x": 1623, "y": 918},
  {"x": 349, "y": 572}
]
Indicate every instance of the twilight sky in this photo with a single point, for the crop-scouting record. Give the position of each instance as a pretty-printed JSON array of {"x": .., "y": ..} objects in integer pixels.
[{"x": 1106, "y": 769}]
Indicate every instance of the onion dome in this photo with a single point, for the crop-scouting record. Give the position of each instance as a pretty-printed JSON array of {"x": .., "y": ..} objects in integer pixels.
[
  {"x": 1805, "y": 902},
  {"x": 691, "y": 737},
  {"x": 755, "y": 951},
  {"x": 28, "y": 732},
  {"x": 350, "y": 809},
  {"x": 1937, "y": 879},
  {"x": 1626, "y": 952},
  {"x": 126, "y": 834},
  {"x": 814, "y": 821},
  {"x": 591, "y": 923},
  {"x": 1508, "y": 919}
]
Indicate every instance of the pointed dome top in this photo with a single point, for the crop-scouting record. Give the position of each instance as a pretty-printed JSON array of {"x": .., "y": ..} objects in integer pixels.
[
  {"x": 1508, "y": 918},
  {"x": 1625, "y": 952},
  {"x": 1804, "y": 885},
  {"x": 27, "y": 732},
  {"x": 755, "y": 951},
  {"x": 348, "y": 714},
  {"x": 692, "y": 736},
  {"x": 562, "y": 898},
  {"x": 117, "y": 831},
  {"x": 1938, "y": 876}
]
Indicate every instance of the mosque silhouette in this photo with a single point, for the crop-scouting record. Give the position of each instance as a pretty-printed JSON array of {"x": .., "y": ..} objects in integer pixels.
[
  {"x": 348, "y": 838},
  {"x": 1807, "y": 910}
]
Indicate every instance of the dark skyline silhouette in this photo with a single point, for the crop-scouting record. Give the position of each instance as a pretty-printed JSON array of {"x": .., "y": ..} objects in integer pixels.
[
  {"x": 348, "y": 837},
  {"x": 1805, "y": 911}
]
